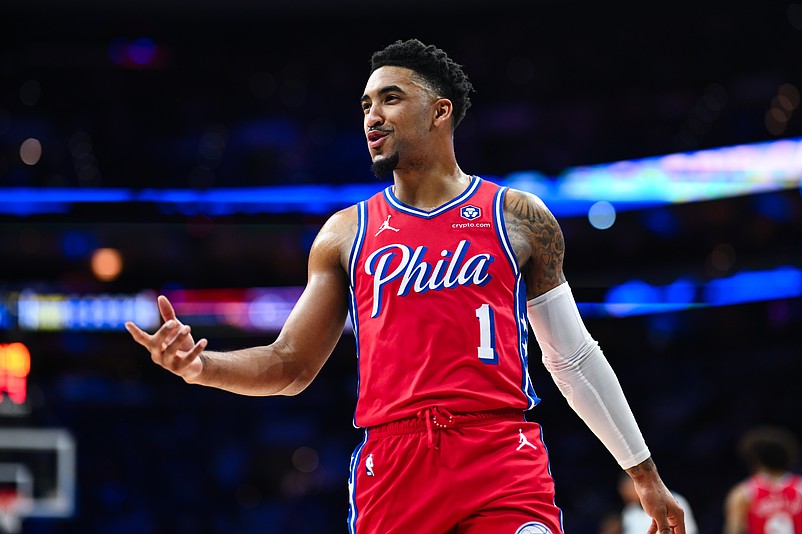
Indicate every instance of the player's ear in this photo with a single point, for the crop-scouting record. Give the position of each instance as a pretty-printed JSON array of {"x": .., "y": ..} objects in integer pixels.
[{"x": 443, "y": 109}]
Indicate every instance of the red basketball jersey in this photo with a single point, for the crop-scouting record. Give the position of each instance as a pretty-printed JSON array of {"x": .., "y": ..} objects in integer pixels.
[
  {"x": 775, "y": 505},
  {"x": 438, "y": 308}
]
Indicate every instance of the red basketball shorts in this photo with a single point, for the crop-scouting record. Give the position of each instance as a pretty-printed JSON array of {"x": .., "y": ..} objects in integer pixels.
[{"x": 477, "y": 473}]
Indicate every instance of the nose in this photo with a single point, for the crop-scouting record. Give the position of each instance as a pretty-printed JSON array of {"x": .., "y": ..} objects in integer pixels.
[{"x": 373, "y": 117}]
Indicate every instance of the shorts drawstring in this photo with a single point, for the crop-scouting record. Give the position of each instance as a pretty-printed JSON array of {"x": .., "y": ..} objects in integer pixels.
[
  {"x": 435, "y": 418},
  {"x": 433, "y": 425}
]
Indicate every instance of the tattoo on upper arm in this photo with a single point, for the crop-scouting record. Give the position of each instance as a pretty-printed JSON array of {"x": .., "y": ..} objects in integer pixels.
[{"x": 537, "y": 240}]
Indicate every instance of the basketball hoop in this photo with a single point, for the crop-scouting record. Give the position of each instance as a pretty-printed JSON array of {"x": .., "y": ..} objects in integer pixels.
[{"x": 35, "y": 455}]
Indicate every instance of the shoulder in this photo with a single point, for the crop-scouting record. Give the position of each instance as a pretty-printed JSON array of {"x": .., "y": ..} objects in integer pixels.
[
  {"x": 341, "y": 221},
  {"x": 537, "y": 240},
  {"x": 736, "y": 509},
  {"x": 526, "y": 203},
  {"x": 334, "y": 240},
  {"x": 738, "y": 496},
  {"x": 523, "y": 208}
]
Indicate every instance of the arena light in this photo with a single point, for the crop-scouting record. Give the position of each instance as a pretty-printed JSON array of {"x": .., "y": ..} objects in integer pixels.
[
  {"x": 266, "y": 309},
  {"x": 691, "y": 176},
  {"x": 15, "y": 366},
  {"x": 643, "y": 183},
  {"x": 637, "y": 297},
  {"x": 257, "y": 309},
  {"x": 57, "y": 311},
  {"x": 750, "y": 286}
]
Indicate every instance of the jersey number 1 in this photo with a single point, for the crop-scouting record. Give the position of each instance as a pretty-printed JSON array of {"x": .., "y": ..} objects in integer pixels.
[{"x": 487, "y": 334}]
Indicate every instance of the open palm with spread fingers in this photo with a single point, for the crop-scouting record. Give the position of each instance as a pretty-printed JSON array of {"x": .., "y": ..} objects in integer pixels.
[{"x": 172, "y": 345}]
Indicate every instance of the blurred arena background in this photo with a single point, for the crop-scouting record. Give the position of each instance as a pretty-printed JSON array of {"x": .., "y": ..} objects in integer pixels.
[{"x": 194, "y": 150}]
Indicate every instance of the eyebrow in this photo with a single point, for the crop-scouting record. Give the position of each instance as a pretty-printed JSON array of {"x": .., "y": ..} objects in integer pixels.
[{"x": 384, "y": 90}]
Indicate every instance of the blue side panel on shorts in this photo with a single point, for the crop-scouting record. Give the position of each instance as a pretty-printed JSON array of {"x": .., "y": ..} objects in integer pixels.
[
  {"x": 543, "y": 441},
  {"x": 355, "y": 460}
]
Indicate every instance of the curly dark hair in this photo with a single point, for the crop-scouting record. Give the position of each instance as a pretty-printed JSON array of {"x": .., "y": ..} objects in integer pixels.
[
  {"x": 434, "y": 66},
  {"x": 771, "y": 447}
]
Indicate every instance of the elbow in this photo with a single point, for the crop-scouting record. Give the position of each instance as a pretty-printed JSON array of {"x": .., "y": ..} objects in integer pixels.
[
  {"x": 580, "y": 357},
  {"x": 301, "y": 379},
  {"x": 295, "y": 388},
  {"x": 287, "y": 374}
]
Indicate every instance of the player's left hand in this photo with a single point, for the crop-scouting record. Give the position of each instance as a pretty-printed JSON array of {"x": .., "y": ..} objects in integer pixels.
[{"x": 667, "y": 515}]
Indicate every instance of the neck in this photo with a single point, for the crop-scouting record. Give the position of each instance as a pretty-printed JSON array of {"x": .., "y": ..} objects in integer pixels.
[
  {"x": 429, "y": 190},
  {"x": 774, "y": 474}
]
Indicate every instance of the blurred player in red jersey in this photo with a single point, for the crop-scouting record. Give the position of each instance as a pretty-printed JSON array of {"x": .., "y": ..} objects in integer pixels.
[
  {"x": 442, "y": 273},
  {"x": 770, "y": 501}
]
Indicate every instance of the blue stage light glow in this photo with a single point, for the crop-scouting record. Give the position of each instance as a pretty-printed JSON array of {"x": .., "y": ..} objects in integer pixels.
[
  {"x": 637, "y": 184},
  {"x": 267, "y": 309},
  {"x": 636, "y": 297},
  {"x": 751, "y": 286}
]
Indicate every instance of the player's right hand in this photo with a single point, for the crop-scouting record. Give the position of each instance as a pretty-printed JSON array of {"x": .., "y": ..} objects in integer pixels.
[{"x": 172, "y": 345}]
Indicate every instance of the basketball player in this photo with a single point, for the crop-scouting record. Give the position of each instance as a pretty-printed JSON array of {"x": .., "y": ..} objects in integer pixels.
[
  {"x": 770, "y": 501},
  {"x": 440, "y": 272}
]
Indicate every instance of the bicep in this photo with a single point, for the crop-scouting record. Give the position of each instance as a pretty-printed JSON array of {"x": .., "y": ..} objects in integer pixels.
[
  {"x": 538, "y": 241},
  {"x": 318, "y": 318}
]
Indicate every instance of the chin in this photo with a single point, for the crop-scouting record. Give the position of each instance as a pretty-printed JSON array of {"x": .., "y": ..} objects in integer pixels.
[{"x": 384, "y": 164}]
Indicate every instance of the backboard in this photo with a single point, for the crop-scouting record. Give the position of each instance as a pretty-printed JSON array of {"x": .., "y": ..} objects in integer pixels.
[{"x": 37, "y": 474}]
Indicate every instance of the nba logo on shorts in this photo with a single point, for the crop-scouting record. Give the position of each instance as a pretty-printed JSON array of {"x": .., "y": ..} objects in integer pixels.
[
  {"x": 369, "y": 466},
  {"x": 533, "y": 528},
  {"x": 470, "y": 212}
]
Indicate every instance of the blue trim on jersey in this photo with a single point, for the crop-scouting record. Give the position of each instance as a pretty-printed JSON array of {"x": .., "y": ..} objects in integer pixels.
[
  {"x": 356, "y": 249},
  {"x": 520, "y": 298},
  {"x": 356, "y": 456},
  {"x": 355, "y": 324},
  {"x": 400, "y": 206},
  {"x": 548, "y": 466},
  {"x": 523, "y": 344},
  {"x": 527, "y": 387},
  {"x": 359, "y": 239},
  {"x": 501, "y": 229}
]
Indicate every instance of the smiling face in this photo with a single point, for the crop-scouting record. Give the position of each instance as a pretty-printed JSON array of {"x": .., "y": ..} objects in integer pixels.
[{"x": 399, "y": 112}]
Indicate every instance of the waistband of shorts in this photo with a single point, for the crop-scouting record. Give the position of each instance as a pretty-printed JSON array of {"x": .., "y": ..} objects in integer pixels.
[{"x": 441, "y": 418}]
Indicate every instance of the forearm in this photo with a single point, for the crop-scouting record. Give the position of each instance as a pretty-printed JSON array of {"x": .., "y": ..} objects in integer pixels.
[
  {"x": 286, "y": 366},
  {"x": 289, "y": 364},
  {"x": 256, "y": 371},
  {"x": 584, "y": 376},
  {"x": 594, "y": 393}
]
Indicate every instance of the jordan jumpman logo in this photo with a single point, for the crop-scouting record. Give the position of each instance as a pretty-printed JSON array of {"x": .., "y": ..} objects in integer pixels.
[
  {"x": 523, "y": 441},
  {"x": 385, "y": 226}
]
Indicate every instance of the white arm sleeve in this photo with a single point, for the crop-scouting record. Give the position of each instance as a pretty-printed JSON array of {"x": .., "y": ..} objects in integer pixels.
[{"x": 584, "y": 375}]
